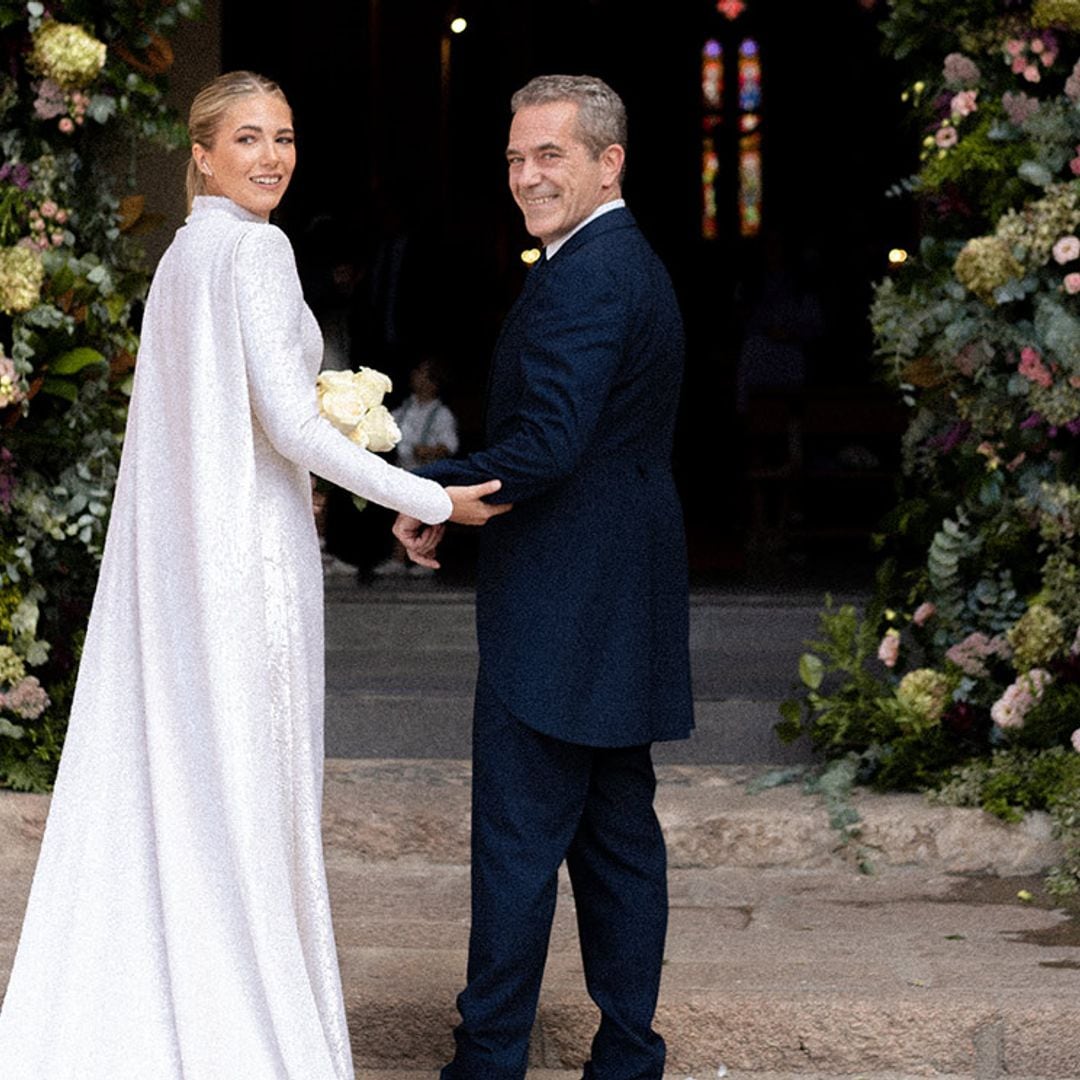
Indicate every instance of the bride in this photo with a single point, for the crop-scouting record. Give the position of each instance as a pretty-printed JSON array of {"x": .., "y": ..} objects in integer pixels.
[{"x": 178, "y": 926}]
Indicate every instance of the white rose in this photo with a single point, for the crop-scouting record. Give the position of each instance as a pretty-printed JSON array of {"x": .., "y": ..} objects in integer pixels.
[
  {"x": 381, "y": 430},
  {"x": 340, "y": 400},
  {"x": 372, "y": 386}
]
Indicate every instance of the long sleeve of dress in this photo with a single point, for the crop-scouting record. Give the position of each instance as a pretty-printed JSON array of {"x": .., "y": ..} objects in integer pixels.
[{"x": 271, "y": 311}]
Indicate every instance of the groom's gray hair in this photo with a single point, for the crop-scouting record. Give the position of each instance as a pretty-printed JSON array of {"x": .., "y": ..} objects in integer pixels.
[{"x": 601, "y": 117}]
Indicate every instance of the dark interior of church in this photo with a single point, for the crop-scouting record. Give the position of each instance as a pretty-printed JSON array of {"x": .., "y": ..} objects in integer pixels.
[{"x": 764, "y": 137}]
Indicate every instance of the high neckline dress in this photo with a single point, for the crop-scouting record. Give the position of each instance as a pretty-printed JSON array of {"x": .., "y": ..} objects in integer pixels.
[{"x": 178, "y": 926}]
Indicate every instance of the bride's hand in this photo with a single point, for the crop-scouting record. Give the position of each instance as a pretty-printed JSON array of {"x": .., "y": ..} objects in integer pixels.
[{"x": 469, "y": 507}]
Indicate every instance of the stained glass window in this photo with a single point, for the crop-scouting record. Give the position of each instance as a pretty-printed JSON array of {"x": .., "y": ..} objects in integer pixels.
[
  {"x": 710, "y": 165},
  {"x": 736, "y": 89},
  {"x": 749, "y": 76},
  {"x": 712, "y": 117},
  {"x": 749, "y": 138},
  {"x": 750, "y": 184},
  {"x": 712, "y": 76}
]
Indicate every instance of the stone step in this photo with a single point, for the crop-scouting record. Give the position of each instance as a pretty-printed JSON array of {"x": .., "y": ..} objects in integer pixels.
[
  {"x": 708, "y": 1073},
  {"x": 393, "y": 808},
  {"x": 766, "y": 973},
  {"x": 782, "y": 960}
]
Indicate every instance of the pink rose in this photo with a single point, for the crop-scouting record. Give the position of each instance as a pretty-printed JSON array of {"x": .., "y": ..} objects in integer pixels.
[
  {"x": 1072, "y": 283},
  {"x": 963, "y": 104},
  {"x": 1076, "y": 740},
  {"x": 1011, "y": 708},
  {"x": 945, "y": 137},
  {"x": 1018, "y": 65},
  {"x": 1032, "y": 367},
  {"x": 923, "y": 612},
  {"x": 49, "y": 208},
  {"x": 1048, "y": 58},
  {"x": 61, "y": 216},
  {"x": 1075, "y": 166},
  {"x": 889, "y": 649},
  {"x": 1065, "y": 250},
  {"x": 9, "y": 383},
  {"x": 1014, "y": 47},
  {"x": 1031, "y": 73},
  {"x": 66, "y": 125}
]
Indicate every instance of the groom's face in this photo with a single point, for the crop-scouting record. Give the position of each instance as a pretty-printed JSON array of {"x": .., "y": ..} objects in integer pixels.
[{"x": 554, "y": 178}]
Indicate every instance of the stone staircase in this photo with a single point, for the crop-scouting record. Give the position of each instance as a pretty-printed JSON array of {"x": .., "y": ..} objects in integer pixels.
[{"x": 784, "y": 962}]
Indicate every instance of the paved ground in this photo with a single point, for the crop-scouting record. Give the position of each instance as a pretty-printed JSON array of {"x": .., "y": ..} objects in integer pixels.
[{"x": 401, "y": 664}]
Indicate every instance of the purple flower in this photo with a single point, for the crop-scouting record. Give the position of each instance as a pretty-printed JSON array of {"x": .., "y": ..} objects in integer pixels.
[
  {"x": 16, "y": 173},
  {"x": 951, "y": 439},
  {"x": 27, "y": 699},
  {"x": 1072, "y": 84},
  {"x": 1033, "y": 421},
  {"x": 50, "y": 101},
  {"x": 1019, "y": 107},
  {"x": 969, "y": 654},
  {"x": 959, "y": 71}
]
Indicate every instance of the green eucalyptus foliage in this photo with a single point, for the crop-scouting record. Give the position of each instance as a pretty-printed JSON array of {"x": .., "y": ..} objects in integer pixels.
[{"x": 80, "y": 78}]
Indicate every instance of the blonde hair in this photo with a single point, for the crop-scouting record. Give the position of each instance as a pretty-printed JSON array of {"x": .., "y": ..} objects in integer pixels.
[{"x": 208, "y": 110}]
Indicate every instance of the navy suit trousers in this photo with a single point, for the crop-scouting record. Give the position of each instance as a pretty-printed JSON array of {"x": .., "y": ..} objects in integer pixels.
[{"x": 536, "y": 802}]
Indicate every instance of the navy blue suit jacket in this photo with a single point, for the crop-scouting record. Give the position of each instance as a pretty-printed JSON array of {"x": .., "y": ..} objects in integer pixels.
[{"x": 582, "y": 609}]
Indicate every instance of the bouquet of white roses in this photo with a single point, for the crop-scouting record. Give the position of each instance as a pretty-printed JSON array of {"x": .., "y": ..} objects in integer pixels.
[{"x": 352, "y": 402}]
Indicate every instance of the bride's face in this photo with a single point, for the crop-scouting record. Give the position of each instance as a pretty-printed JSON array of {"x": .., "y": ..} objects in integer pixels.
[{"x": 253, "y": 154}]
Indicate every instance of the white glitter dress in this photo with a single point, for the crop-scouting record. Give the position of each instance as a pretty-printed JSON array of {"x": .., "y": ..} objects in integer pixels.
[{"x": 179, "y": 927}]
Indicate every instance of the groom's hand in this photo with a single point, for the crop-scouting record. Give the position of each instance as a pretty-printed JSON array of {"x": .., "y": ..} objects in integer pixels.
[{"x": 420, "y": 541}]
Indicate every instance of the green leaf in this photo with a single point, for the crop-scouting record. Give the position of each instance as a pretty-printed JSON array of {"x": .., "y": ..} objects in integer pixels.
[
  {"x": 1034, "y": 173},
  {"x": 61, "y": 388},
  {"x": 789, "y": 727},
  {"x": 811, "y": 670},
  {"x": 10, "y": 730},
  {"x": 74, "y": 361},
  {"x": 776, "y": 778}
]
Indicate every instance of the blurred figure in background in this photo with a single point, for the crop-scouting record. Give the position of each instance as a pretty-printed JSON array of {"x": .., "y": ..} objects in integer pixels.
[{"x": 428, "y": 432}]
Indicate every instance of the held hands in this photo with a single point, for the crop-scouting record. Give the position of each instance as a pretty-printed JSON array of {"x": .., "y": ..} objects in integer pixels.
[
  {"x": 469, "y": 505},
  {"x": 421, "y": 541}
]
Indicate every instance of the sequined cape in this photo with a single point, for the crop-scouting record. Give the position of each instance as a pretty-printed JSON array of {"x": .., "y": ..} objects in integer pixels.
[{"x": 178, "y": 926}]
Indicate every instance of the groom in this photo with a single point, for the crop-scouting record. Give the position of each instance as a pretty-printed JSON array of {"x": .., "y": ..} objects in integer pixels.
[{"x": 581, "y": 600}]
